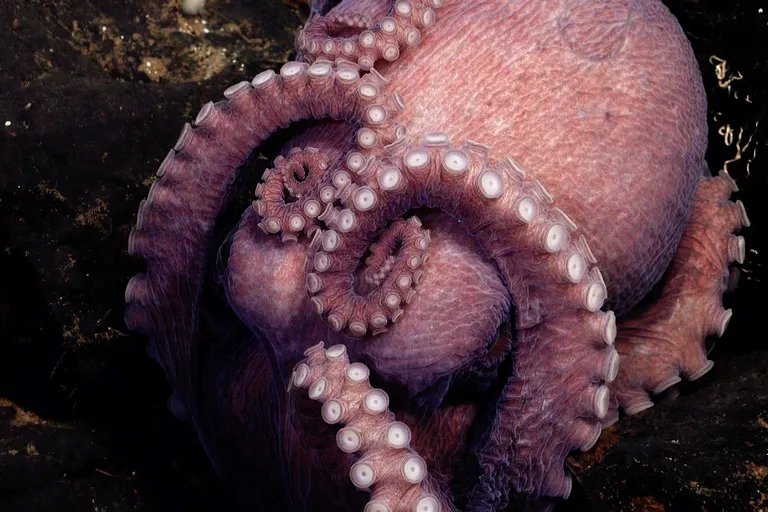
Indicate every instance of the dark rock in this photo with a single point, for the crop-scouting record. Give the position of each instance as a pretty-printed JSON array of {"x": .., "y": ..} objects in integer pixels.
[{"x": 704, "y": 449}]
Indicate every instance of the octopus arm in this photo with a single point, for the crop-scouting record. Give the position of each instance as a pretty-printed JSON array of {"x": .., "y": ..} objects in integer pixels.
[
  {"x": 665, "y": 340},
  {"x": 175, "y": 223},
  {"x": 363, "y": 38}
]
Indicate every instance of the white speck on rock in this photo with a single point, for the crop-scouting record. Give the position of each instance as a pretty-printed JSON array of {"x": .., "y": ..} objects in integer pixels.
[{"x": 192, "y": 7}]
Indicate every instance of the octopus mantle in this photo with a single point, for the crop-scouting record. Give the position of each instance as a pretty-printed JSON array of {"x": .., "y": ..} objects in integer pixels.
[{"x": 461, "y": 277}]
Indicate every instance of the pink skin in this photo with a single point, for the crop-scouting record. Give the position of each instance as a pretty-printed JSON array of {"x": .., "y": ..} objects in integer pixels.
[{"x": 601, "y": 103}]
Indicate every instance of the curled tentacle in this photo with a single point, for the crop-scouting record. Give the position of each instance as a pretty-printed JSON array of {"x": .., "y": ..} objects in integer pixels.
[
  {"x": 667, "y": 339},
  {"x": 330, "y": 279},
  {"x": 175, "y": 222},
  {"x": 396, "y": 476},
  {"x": 358, "y": 38},
  {"x": 381, "y": 263},
  {"x": 298, "y": 216},
  {"x": 564, "y": 354}
]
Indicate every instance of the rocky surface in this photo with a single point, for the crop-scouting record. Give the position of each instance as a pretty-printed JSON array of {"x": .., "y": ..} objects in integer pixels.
[{"x": 91, "y": 96}]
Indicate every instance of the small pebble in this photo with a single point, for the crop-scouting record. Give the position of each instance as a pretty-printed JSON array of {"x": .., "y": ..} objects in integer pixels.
[{"x": 192, "y": 7}]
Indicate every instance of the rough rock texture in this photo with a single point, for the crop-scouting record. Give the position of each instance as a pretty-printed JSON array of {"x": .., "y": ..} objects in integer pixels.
[
  {"x": 90, "y": 137},
  {"x": 654, "y": 461}
]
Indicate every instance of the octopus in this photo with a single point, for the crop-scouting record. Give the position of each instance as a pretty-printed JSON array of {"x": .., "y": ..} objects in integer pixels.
[{"x": 476, "y": 211}]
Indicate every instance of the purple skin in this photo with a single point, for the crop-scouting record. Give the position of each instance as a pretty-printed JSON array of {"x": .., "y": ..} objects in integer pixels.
[{"x": 474, "y": 299}]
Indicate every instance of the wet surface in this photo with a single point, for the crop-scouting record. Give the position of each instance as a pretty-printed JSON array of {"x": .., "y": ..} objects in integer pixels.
[{"x": 92, "y": 94}]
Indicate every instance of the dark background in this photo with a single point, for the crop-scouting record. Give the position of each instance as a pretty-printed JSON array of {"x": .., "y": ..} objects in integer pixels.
[{"x": 92, "y": 95}]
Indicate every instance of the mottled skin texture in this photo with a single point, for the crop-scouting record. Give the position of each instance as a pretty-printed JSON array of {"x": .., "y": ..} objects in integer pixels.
[
  {"x": 496, "y": 352},
  {"x": 624, "y": 168}
]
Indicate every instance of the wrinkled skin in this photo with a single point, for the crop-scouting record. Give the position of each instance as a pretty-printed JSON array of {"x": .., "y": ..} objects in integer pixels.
[{"x": 500, "y": 361}]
